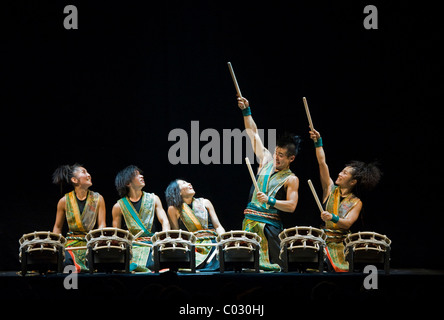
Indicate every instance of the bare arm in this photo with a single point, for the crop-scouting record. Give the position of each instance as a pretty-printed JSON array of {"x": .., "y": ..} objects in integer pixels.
[
  {"x": 161, "y": 215},
  {"x": 173, "y": 215},
  {"x": 117, "y": 216},
  {"x": 324, "y": 173},
  {"x": 288, "y": 205},
  {"x": 258, "y": 146},
  {"x": 349, "y": 220},
  {"x": 217, "y": 225},
  {"x": 60, "y": 216},
  {"x": 102, "y": 213}
]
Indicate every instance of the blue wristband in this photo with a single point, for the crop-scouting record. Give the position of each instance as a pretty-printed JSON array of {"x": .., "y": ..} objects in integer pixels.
[
  {"x": 271, "y": 201},
  {"x": 334, "y": 218},
  {"x": 318, "y": 143},
  {"x": 246, "y": 111}
]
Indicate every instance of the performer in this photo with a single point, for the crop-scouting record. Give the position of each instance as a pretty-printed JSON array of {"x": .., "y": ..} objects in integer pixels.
[
  {"x": 341, "y": 202},
  {"x": 196, "y": 215},
  {"x": 278, "y": 190},
  {"x": 82, "y": 208},
  {"x": 138, "y": 209}
]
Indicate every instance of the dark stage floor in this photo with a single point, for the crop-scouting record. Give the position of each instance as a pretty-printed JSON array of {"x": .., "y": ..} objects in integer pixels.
[{"x": 181, "y": 290}]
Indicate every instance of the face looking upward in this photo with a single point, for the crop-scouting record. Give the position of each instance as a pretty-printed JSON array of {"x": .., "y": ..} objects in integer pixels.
[
  {"x": 186, "y": 189},
  {"x": 137, "y": 182},
  {"x": 81, "y": 178}
]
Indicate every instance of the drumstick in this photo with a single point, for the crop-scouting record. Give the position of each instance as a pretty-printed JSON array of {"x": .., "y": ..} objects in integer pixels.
[
  {"x": 252, "y": 174},
  {"x": 76, "y": 248},
  {"x": 138, "y": 235},
  {"x": 142, "y": 244},
  {"x": 234, "y": 79},
  {"x": 307, "y": 111},
  {"x": 310, "y": 122},
  {"x": 315, "y": 195}
]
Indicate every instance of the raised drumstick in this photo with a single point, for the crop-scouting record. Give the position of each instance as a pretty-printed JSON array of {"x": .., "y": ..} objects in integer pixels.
[
  {"x": 310, "y": 123},
  {"x": 252, "y": 174},
  {"x": 233, "y": 76},
  {"x": 307, "y": 111},
  {"x": 315, "y": 195}
]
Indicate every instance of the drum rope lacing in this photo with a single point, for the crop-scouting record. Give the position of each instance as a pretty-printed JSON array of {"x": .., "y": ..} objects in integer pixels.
[
  {"x": 30, "y": 245},
  {"x": 168, "y": 240},
  {"x": 369, "y": 243},
  {"x": 124, "y": 242},
  {"x": 290, "y": 241},
  {"x": 252, "y": 242}
]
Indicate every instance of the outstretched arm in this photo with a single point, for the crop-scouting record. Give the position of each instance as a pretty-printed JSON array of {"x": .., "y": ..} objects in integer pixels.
[
  {"x": 326, "y": 181},
  {"x": 258, "y": 146}
]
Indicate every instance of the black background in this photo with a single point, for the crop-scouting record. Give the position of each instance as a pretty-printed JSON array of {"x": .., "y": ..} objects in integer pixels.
[{"x": 108, "y": 94}]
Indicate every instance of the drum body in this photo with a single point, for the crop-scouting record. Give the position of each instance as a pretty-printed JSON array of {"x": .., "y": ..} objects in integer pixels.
[
  {"x": 239, "y": 249},
  {"x": 109, "y": 249},
  {"x": 301, "y": 248},
  {"x": 366, "y": 247},
  {"x": 42, "y": 251},
  {"x": 174, "y": 249}
]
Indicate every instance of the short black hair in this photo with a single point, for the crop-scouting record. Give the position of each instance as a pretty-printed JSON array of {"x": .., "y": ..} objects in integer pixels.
[
  {"x": 124, "y": 177},
  {"x": 290, "y": 142}
]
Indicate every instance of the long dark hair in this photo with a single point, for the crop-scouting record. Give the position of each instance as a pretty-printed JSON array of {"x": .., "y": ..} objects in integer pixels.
[
  {"x": 63, "y": 174},
  {"x": 123, "y": 178},
  {"x": 172, "y": 195}
]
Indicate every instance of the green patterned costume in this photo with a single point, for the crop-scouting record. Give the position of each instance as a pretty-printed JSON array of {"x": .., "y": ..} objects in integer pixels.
[
  {"x": 79, "y": 224},
  {"x": 137, "y": 222},
  {"x": 263, "y": 219}
]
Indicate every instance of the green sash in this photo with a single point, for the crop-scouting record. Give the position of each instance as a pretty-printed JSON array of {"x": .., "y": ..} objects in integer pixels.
[
  {"x": 136, "y": 222},
  {"x": 142, "y": 220},
  {"x": 195, "y": 218},
  {"x": 269, "y": 183}
]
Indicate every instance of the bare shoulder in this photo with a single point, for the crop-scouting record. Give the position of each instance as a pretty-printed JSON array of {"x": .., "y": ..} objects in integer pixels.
[
  {"x": 62, "y": 201},
  {"x": 293, "y": 181}
]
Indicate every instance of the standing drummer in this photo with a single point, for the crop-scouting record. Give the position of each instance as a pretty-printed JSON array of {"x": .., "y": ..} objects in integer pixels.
[
  {"x": 341, "y": 202},
  {"x": 138, "y": 209},
  {"x": 278, "y": 190}
]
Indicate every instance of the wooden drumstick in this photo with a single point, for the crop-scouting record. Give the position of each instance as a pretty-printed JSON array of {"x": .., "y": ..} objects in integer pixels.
[
  {"x": 76, "y": 248},
  {"x": 138, "y": 235},
  {"x": 307, "y": 111},
  {"x": 252, "y": 174},
  {"x": 315, "y": 195},
  {"x": 310, "y": 122},
  {"x": 234, "y": 79}
]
